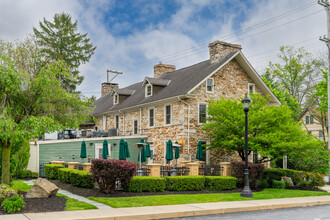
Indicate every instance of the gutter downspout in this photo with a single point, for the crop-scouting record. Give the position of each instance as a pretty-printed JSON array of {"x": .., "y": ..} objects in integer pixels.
[{"x": 188, "y": 123}]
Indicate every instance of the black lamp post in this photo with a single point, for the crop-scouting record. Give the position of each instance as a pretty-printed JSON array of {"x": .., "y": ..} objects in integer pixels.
[{"x": 246, "y": 190}]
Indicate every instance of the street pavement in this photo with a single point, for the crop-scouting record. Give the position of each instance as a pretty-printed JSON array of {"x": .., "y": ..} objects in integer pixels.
[{"x": 306, "y": 213}]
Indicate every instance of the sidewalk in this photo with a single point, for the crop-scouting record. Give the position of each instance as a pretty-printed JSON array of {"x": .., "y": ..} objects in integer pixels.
[{"x": 174, "y": 211}]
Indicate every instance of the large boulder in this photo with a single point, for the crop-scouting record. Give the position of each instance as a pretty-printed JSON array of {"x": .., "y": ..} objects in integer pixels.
[
  {"x": 287, "y": 179},
  {"x": 42, "y": 188}
]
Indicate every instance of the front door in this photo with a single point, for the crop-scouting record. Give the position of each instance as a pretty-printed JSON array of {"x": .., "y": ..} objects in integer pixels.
[{"x": 99, "y": 150}]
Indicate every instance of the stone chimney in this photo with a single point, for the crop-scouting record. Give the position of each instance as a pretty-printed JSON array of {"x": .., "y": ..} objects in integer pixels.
[
  {"x": 107, "y": 87},
  {"x": 220, "y": 48},
  {"x": 160, "y": 69}
]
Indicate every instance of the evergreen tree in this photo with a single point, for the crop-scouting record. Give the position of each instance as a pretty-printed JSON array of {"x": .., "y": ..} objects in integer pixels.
[{"x": 60, "y": 40}]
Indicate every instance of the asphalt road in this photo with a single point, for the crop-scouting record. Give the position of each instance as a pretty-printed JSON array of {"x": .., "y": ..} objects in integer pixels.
[{"x": 307, "y": 213}]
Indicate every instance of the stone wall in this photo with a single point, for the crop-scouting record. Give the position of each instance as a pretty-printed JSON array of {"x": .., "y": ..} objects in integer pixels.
[
  {"x": 160, "y": 69},
  {"x": 107, "y": 87},
  {"x": 219, "y": 48},
  {"x": 230, "y": 82}
]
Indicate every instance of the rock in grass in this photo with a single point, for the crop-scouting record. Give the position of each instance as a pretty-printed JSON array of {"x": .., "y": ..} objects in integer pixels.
[{"x": 42, "y": 188}]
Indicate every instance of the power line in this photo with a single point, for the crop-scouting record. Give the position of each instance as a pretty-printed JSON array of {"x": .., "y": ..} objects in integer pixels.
[{"x": 192, "y": 50}]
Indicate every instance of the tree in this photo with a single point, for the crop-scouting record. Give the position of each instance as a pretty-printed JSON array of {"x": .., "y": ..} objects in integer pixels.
[
  {"x": 284, "y": 96},
  {"x": 297, "y": 74},
  {"x": 272, "y": 131},
  {"x": 60, "y": 40},
  {"x": 32, "y": 104}
]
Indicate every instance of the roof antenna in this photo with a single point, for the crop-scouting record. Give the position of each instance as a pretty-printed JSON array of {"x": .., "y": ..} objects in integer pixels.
[{"x": 112, "y": 71}]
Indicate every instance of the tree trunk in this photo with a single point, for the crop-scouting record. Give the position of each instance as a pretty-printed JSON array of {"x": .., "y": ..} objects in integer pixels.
[{"x": 5, "y": 178}]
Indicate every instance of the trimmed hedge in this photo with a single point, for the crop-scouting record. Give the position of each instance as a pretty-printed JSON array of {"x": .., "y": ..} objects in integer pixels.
[
  {"x": 185, "y": 183},
  {"x": 81, "y": 178},
  {"x": 51, "y": 170},
  {"x": 64, "y": 175},
  {"x": 147, "y": 184},
  {"x": 302, "y": 178},
  {"x": 218, "y": 183},
  {"x": 278, "y": 184}
]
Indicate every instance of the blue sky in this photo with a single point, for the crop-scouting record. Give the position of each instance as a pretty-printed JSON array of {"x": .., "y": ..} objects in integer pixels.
[{"x": 132, "y": 36}]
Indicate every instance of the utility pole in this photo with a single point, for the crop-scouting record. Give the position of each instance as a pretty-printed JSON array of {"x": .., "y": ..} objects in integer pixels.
[
  {"x": 112, "y": 71},
  {"x": 326, "y": 6}
]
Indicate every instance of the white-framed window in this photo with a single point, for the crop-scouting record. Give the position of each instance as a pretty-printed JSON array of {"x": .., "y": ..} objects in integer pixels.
[
  {"x": 148, "y": 90},
  {"x": 135, "y": 127},
  {"x": 210, "y": 85},
  {"x": 311, "y": 119},
  {"x": 307, "y": 120},
  {"x": 151, "y": 117},
  {"x": 117, "y": 121},
  {"x": 115, "y": 99},
  {"x": 251, "y": 88},
  {"x": 202, "y": 113},
  {"x": 321, "y": 137},
  {"x": 168, "y": 114},
  {"x": 99, "y": 150}
]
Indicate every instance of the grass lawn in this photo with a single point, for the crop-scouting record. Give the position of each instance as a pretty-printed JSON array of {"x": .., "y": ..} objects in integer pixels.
[
  {"x": 139, "y": 201},
  {"x": 71, "y": 204}
]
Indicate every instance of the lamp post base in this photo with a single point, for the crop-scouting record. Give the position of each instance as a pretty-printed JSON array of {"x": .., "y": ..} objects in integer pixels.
[{"x": 247, "y": 193}]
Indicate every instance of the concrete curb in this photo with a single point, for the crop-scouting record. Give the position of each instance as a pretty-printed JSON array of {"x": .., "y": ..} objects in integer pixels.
[{"x": 175, "y": 211}]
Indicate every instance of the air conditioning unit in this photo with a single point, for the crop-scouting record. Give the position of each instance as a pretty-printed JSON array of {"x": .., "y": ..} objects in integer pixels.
[{"x": 113, "y": 132}]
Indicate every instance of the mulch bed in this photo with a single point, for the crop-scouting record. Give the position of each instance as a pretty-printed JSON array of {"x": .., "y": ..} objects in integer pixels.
[
  {"x": 119, "y": 193},
  {"x": 51, "y": 204}
]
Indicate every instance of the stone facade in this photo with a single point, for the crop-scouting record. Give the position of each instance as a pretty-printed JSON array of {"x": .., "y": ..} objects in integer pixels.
[
  {"x": 230, "y": 82},
  {"x": 219, "y": 48},
  {"x": 107, "y": 87},
  {"x": 160, "y": 69}
]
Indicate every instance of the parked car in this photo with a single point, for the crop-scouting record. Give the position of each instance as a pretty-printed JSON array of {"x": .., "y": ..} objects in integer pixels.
[{"x": 100, "y": 133}]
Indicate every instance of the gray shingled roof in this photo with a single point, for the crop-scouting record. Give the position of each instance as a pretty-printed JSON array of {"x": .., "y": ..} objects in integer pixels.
[
  {"x": 123, "y": 91},
  {"x": 182, "y": 81},
  {"x": 157, "y": 82}
]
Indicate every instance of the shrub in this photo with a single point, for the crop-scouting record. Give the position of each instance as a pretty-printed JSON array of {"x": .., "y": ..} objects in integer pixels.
[
  {"x": 263, "y": 184},
  {"x": 185, "y": 183},
  {"x": 35, "y": 175},
  {"x": 218, "y": 183},
  {"x": 271, "y": 174},
  {"x": 278, "y": 184},
  {"x": 304, "y": 179},
  {"x": 64, "y": 175},
  {"x": 255, "y": 173},
  {"x": 13, "y": 204},
  {"x": 6, "y": 192},
  {"x": 287, "y": 184},
  {"x": 147, "y": 184},
  {"x": 107, "y": 172},
  {"x": 81, "y": 178},
  {"x": 51, "y": 170}
]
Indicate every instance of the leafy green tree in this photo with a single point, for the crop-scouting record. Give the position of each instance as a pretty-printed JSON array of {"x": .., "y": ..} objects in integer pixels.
[
  {"x": 272, "y": 131},
  {"x": 297, "y": 73},
  {"x": 32, "y": 104},
  {"x": 284, "y": 96},
  {"x": 60, "y": 40}
]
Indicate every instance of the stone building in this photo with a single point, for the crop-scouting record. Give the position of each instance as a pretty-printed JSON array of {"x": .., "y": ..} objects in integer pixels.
[
  {"x": 314, "y": 122},
  {"x": 173, "y": 104}
]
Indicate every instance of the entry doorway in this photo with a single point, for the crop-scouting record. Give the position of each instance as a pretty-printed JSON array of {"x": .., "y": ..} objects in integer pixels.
[{"x": 99, "y": 150}]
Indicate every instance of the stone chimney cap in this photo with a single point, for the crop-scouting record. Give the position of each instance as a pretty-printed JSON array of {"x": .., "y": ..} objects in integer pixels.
[
  {"x": 110, "y": 83},
  {"x": 237, "y": 46}
]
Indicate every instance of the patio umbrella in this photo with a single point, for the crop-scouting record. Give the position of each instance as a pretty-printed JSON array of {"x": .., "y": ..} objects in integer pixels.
[
  {"x": 122, "y": 150},
  {"x": 169, "y": 151},
  {"x": 105, "y": 151},
  {"x": 177, "y": 152},
  {"x": 143, "y": 154},
  {"x": 83, "y": 153},
  {"x": 199, "y": 155},
  {"x": 127, "y": 150},
  {"x": 148, "y": 154}
]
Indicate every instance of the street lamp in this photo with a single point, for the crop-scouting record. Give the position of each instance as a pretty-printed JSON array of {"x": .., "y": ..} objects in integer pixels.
[{"x": 246, "y": 190}]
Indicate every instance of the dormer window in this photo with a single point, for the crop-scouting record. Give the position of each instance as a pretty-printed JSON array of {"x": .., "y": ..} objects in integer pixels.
[
  {"x": 148, "y": 90},
  {"x": 115, "y": 99}
]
